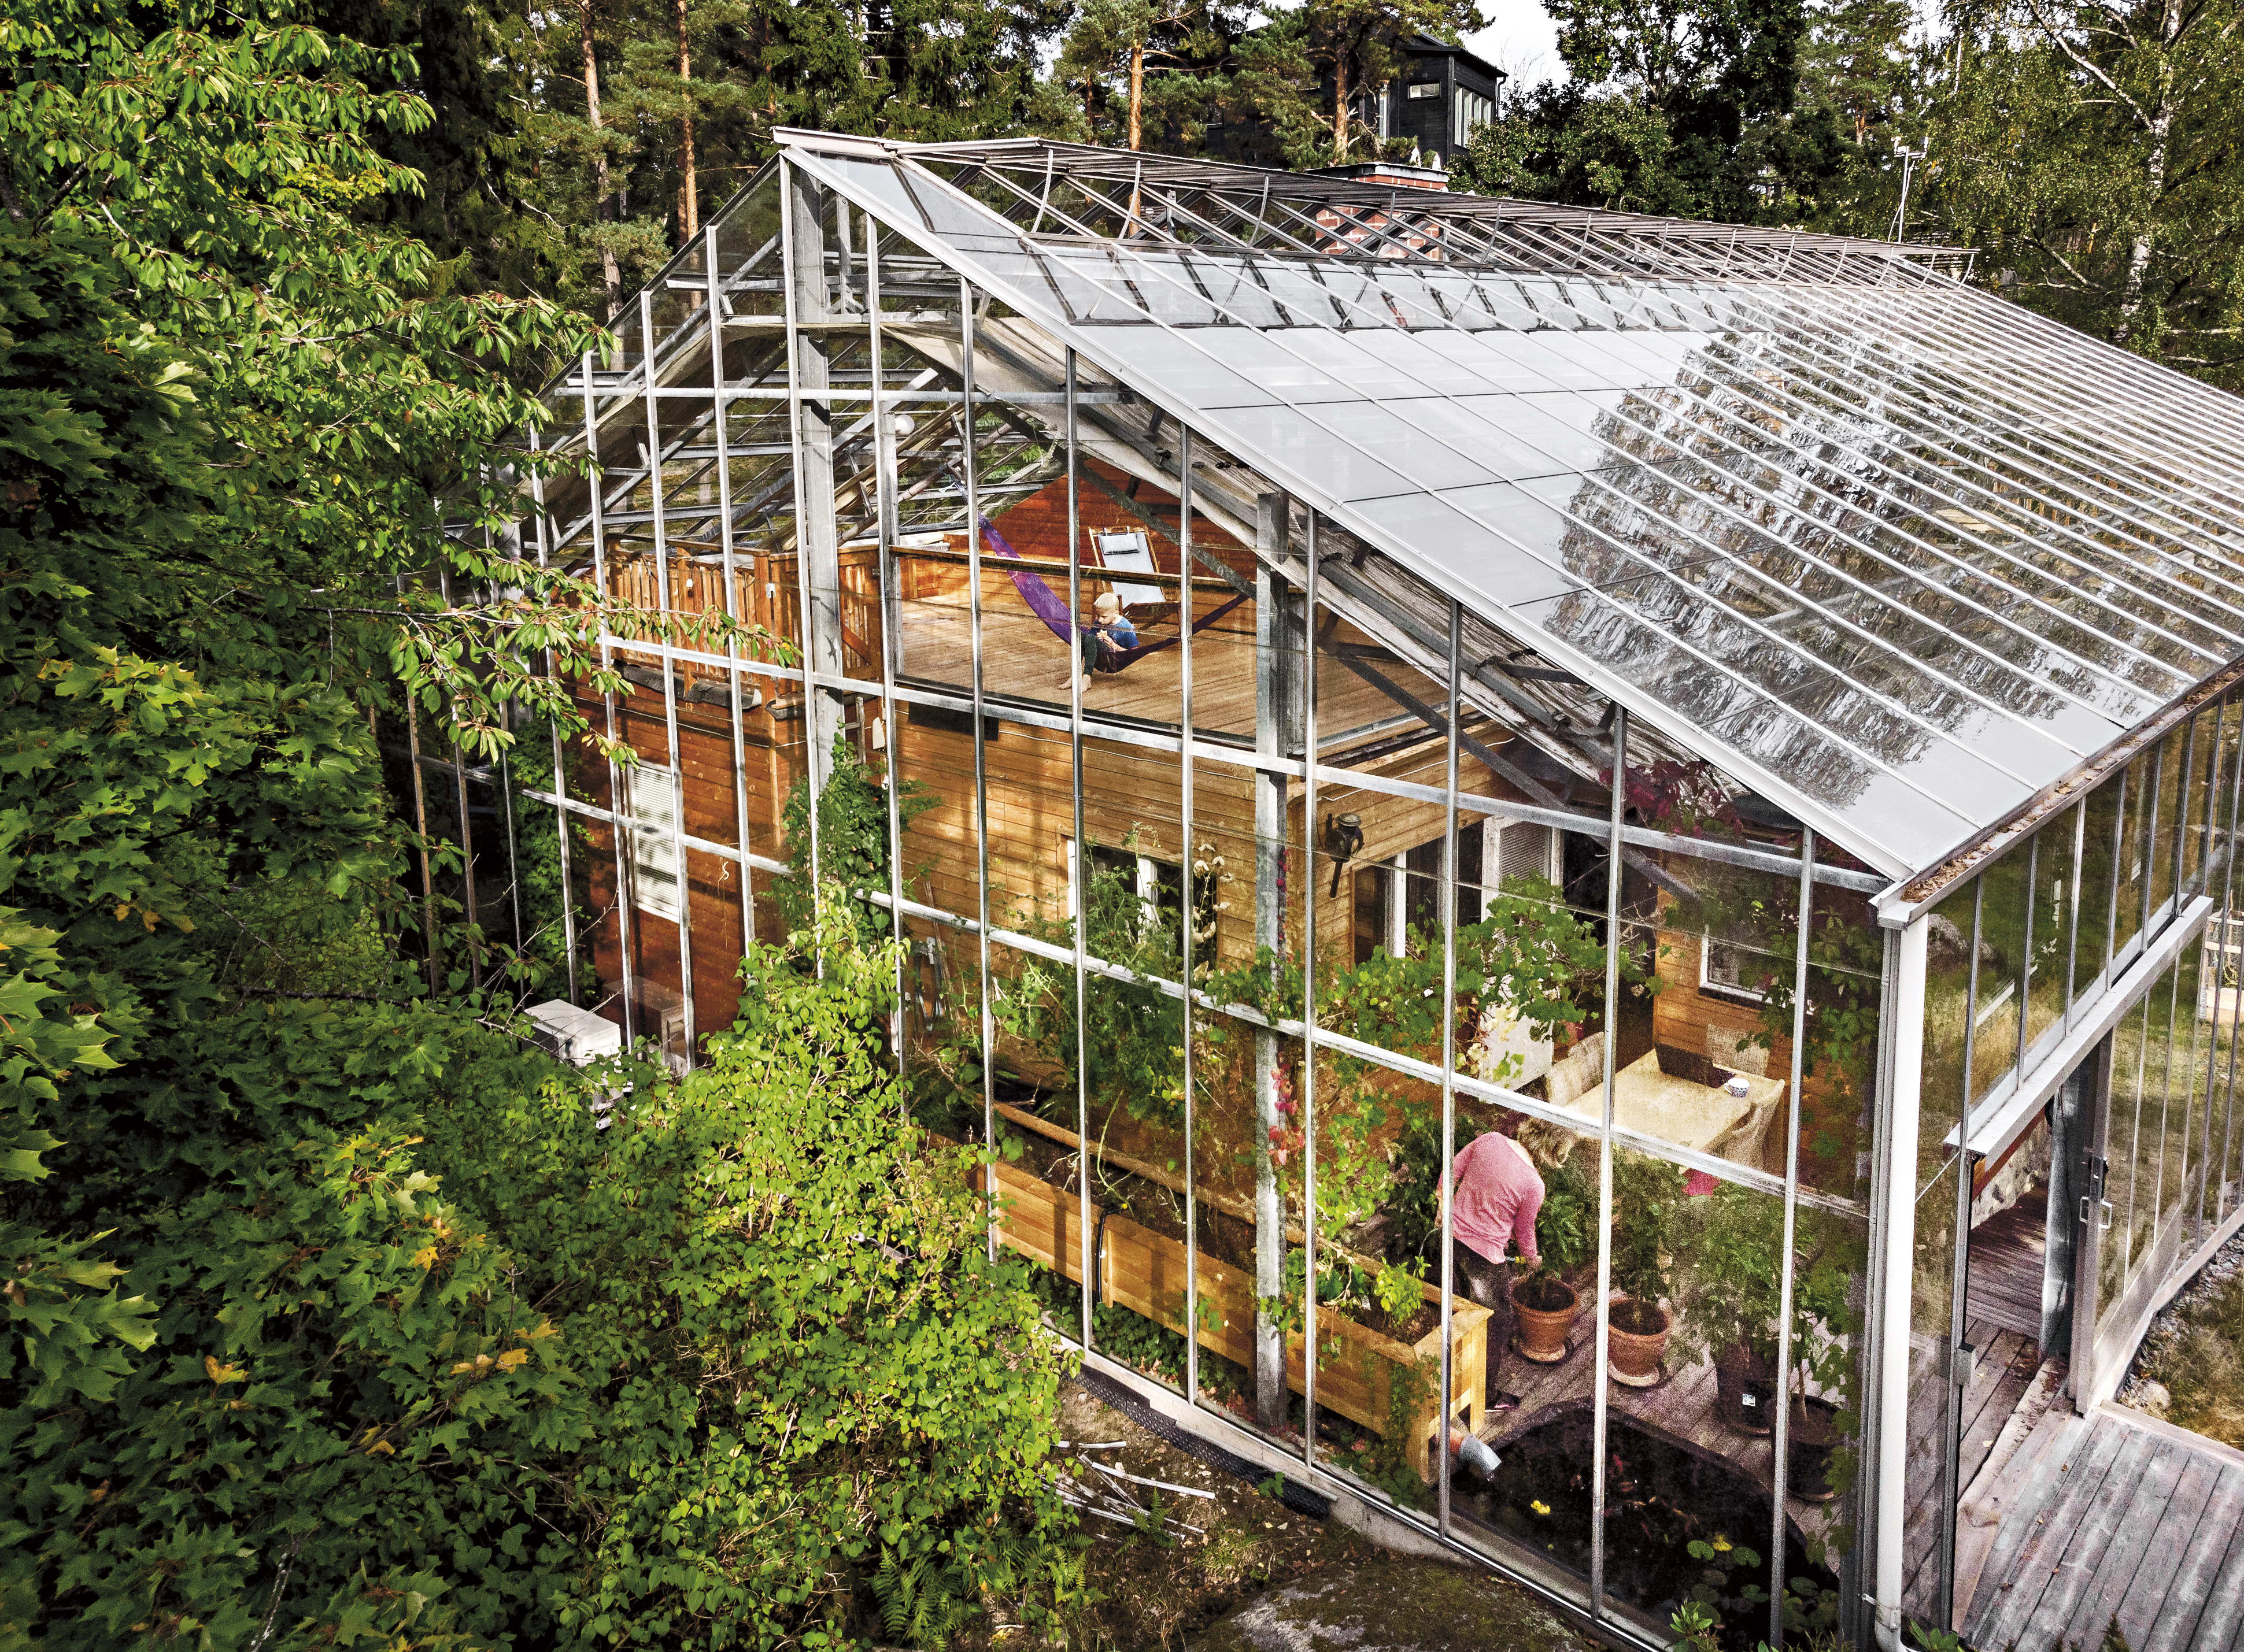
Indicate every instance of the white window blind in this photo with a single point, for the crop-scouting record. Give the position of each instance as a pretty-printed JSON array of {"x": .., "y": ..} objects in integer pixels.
[{"x": 651, "y": 796}]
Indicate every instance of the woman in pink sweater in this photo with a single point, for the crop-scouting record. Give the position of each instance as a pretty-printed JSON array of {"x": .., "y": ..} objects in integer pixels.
[{"x": 1499, "y": 1193}]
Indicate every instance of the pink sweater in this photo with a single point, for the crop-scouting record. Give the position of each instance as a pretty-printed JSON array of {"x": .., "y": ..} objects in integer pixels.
[{"x": 1499, "y": 1193}]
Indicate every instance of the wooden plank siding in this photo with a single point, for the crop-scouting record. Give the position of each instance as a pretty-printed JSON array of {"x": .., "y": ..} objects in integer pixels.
[{"x": 1129, "y": 794}]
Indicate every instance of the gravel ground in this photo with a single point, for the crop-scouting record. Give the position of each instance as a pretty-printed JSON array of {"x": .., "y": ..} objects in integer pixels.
[
  {"x": 2150, "y": 1396},
  {"x": 1220, "y": 1563}
]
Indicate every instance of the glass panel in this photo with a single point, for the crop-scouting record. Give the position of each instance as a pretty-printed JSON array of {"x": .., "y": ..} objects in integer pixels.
[
  {"x": 2102, "y": 856},
  {"x": 2003, "y": 941},
  {"x": 1717, "y": 1077},
  {"x": 2133, "y": 864},
  {"x": 1041, "y": 1175},
  {"x": 2053, "y": 900},
  {"x": 2137, "y": 1098},
  {"x": 1846, "y": 985},
  {"x": 2207, "y": 758},
  {"x": 2189, "y": 1170},
  {"x": 1947, "y": 977},
  {"x": 1931, "y": 1310},
  {"x": 2172, "y": 802},
  {"x": 2219, "y": 876},
  {"x": 2220, "y": 996}
]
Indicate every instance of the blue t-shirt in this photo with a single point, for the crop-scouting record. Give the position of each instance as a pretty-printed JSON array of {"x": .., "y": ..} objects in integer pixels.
[{"x": 1122, "y": 633}]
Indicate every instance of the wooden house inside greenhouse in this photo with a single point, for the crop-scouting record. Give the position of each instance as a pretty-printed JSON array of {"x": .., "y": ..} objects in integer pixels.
[{"x": 1741, "y": 725}]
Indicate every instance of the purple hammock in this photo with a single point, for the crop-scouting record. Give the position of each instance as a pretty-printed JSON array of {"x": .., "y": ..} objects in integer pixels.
[{"x": 1050, "y": 607}]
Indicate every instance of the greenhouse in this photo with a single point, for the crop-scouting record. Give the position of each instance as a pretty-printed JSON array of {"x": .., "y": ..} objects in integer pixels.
[{"x": 1319, "y": 673}]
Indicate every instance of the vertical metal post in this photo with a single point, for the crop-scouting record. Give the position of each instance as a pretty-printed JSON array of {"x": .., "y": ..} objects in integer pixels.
[
  {"x": 618, "y": 805},
  {"x": 1600, "y": 1401},
  {"x": 1893, "y": 1231},
  {"x": 2072, "y": 908},
  {"x": 2118, "y": 853},
  {"x": 1446, "y": 887},
  {"x": 2151, "y": 834},
  {"x": 885, "y": 516},
  {"x": 2227, "y": 937},
  {"x": 1308, "y": 1098},
  {"x": 2026, "y": 953},
  {"x": 1781, "y": 1438},
  {"x": 472, "y": 928},
  {"x": 1959, "y": 1278},
  {"x": 2219, "y": 713},
  {"x": 665, "y": 605},
  {"x": 544, "y": 530},
  {"x": 810, "y": 424},
  {"x": 969, "y": 477},
  {"x": 1274, "y": 527},
  {"x": 1080, "y": 872},
  {"x": 743, "y": 821},
  {"x": 421, "y": 831},
  {"x": 1192, "y": 906},
  {"x": 2182, "y": 803},
  {"x": 505, "y": 783}
]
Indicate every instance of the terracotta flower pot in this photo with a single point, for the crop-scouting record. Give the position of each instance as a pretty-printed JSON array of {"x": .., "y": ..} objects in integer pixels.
[
  {"x": 1543, "y": 1332},
  {"x": 1744, "y": 1389},
  {"x": 1811, "y": 1442},
  {"x": 1633, "y": 1357}
]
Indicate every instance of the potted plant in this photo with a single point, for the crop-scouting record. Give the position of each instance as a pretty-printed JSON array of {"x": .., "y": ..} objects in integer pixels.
[
  {"x": 1645, "y": 1194},
  {"x": 1545, "y": 1303},
  {"x": 1731, "y": 1295}
]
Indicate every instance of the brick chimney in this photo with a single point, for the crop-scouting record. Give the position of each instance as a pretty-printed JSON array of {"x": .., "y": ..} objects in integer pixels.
[{"x": 1394, "y": 173}]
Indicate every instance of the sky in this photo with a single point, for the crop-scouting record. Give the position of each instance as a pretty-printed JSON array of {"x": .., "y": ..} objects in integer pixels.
[{"x": 1521, "y": 38}]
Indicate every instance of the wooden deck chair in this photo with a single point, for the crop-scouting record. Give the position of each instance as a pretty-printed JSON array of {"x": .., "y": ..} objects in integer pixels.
[{"x": 1122, "y": 551}]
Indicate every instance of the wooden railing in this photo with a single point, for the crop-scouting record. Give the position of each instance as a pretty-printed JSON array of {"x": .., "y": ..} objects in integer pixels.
[{"x": 766, "y": 593}]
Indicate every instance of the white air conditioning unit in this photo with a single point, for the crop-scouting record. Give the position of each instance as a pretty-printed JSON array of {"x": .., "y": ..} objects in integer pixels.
[{"x": 571, "y": 1034}]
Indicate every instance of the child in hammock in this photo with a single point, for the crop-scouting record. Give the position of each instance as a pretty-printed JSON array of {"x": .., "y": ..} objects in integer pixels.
[{"x": 1107, "y": 637}]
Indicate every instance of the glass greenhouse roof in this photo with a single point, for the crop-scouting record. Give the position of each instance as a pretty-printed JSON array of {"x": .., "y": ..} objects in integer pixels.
[{"x": 1898, "y": 554}]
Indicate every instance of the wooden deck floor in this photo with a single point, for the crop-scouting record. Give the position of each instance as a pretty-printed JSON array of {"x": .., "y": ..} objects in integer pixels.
[
  {"x": 1999, "y": 1381},
  {"x": 2008, "y": 1250},
  {"x": 2113, "y": 1517},
  {"x": 1022, "y": 660}
]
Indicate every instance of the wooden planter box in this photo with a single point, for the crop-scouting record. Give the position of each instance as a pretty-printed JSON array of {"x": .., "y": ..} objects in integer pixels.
[{"x": 1357, "y": 1368}]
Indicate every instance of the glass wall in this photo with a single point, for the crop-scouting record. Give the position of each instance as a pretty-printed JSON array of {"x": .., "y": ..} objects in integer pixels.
[
  {"x": 1272, "y": 934},
  {"x": 2098, "y": 944},
  {"x": 1287, "y": 932}
]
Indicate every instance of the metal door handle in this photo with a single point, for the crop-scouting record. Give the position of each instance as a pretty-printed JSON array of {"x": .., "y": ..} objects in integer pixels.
[
  {"x": 2105, "y": 1226},
  {"x": 1964, "y": 1364}
]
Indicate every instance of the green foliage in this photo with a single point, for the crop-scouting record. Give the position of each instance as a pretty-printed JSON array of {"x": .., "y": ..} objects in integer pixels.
[
  {"x": 64, "y": 1312},
  {"x": 1529, "y": 954},
  {"x": 2199, "y": 1356},
  {"x": 853, "y": 843},
  {"x": 1733, "y": 1238},
  {"x": 1395, "y": 1288},
  {"x": 1646, "y": 1205},
  {"x": 1729, "y": 1583},
  {"x": 2094, "y": 157},
  {"x": 1133, "y": 1031},
  {"x": 785, "y": 1314},
  {"x": 1340, "y": 1285},
  {"x": 1414, "y": 1219},
  {"x": 339, "y": 1364},
  {"x": 265, "y": 1386},
  {"x": 1609, "y": 150},
  {"x": 1566, "y": 1226},
  {"x": 603, "y": 196}
]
